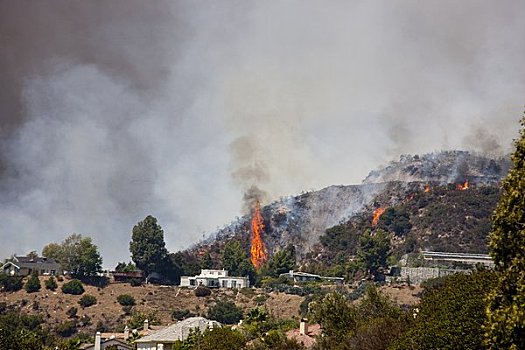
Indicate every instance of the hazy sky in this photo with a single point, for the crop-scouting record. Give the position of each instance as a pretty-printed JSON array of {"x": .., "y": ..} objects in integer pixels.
[{"x": 113, "y": 110}]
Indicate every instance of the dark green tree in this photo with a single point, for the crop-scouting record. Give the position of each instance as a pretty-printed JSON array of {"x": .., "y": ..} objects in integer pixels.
[
  {"x": 225, "y": 312},
  {"x": 373, "y": 250},
  {"x": 51, "y": 283},
  {"x": 236, "y": 261},
  {"x": 281, "y": 262},
  {"x": 33, "y": 283},
  {"x": 123, "y": 267},
  {"x": 206, "y": 262},
  {"x": 147, "y": 247},
  {"x": 505, "y": 328},
  {"x": 451, "y": 314}
]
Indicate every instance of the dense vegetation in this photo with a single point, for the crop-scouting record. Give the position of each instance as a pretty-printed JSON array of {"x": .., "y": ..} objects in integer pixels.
[{"x": 505, "y": 327}]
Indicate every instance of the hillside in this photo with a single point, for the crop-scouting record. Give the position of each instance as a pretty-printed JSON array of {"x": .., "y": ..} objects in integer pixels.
[
  {"x": 443, "y": 219},
  {"x": 156, "y": 302}
]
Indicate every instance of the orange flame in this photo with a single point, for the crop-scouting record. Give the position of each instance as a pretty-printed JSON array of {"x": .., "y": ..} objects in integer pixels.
[
  {"x": 258, "y": 250},
  {"x": 427, "y": 188},
  {"x": 462, "y": 187},
  {"x": 377, "y": 213}
]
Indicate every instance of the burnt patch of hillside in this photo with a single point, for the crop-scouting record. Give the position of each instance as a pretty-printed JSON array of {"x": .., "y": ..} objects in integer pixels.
[{"x": 442, "y": 219}]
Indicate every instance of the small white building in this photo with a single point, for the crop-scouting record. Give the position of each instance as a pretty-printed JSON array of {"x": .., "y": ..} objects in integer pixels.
[{"x": 215, "y": 279}]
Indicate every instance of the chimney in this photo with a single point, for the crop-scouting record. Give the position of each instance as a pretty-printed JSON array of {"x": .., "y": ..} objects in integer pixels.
[
  {"x": 126, "y": 333},
  {"x": 303, "y": 327},
  {"x": 97, "y": 341},
  {"x": 146, "y": 325}
]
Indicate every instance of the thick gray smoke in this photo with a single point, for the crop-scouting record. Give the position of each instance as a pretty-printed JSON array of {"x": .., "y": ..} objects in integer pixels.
[{"x": 115, "y": 110}]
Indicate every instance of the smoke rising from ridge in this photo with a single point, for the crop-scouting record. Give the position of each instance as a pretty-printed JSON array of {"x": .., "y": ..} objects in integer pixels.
[{"x": 113, "y": 111}]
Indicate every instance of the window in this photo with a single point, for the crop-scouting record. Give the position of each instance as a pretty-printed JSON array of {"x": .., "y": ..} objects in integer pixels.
[
  {"x": 234, "y": 284},
  {"x": 192, "y": 282},
  {"x": 224, "y": 284}
]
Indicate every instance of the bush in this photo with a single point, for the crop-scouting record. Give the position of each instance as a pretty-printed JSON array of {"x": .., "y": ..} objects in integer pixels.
[
  {"x": 11, "y": 283},
  {"x": 51, "y": 283},
  {"x": 202, "y": 291},
  {"x": 66, "y": 329},
  {"x": 87, "y": 300},
  {"x": 32, "y": 284},
  {"x": 126, "y": 300},
  {"x": 225, "y": 312},
  {"x": 127, "y": 310},
  {"x": 73, "y": 287},
  {"x": 135, "y": 282},
  {"x": 179, "y": 315},
  {"x": 72, "y": 312}
]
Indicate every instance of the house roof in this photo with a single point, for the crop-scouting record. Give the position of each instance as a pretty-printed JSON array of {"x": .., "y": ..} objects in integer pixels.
[
  {"x": 32, "y": 260},
  {"x": 178, "y": 331},
  {"x": 10, "y": 263},
  {"x": 106, "y": 343}
]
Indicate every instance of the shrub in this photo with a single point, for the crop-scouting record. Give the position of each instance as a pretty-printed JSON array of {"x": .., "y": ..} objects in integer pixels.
[
  {"x": 127, "y": 310},
  {"x": 73, "y": 287},
  {"x": 225, "y": 312},
  {"x": 137, "y": 319},
  {"x": 32, "y": 284},
  {"x": 72, "y": 312},
  {"x": 51, "y": 283},
  {"x": 179, "y": 315},
  {"x": 135, "y": 282},
  {"x": 126, "y": 300},
  {"x": 87, "y": 300},
  {"x": 11, "y": 283},
  {"x": 66, "y": 329},
  {"x": 202, "y": 291},
  {"x": 60, "y": 279}
]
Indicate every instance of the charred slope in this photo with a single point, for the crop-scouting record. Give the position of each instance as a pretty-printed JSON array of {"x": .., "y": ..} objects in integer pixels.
[{"x": 442, "y": 219}]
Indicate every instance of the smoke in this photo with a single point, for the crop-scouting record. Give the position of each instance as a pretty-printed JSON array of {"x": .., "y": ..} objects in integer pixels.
[{"x": 113, "y": 111}]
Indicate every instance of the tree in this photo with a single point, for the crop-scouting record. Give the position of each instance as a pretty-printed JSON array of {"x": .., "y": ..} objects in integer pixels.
[
  {"x": 236, "y": 261},
  {"x": 52, "y": 251},
  {"x": 51, "y": 283},
  {"x": 147, "y": 246},
  {"x": 373, "y": 250},
  {"x": 225, "y": 312},
  {"x": 451, "y": 314},
  {"x": 73, "y": 287},
  {"x": 281, "y": 262},
  {"x": 206, "y": 262},
  {"x": 33, "y": 283},
  {"x": 77, "y": 255},
  {"x": 123, "y": 267},
  {"x": 505, "y": 326}
]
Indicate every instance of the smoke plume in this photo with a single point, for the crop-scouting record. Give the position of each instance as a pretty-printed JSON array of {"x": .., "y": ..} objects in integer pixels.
[{"x": 111, "y": 111}]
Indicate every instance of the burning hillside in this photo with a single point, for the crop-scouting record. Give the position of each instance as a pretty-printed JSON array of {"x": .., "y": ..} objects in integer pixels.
[{"x": 414, "y": 180}]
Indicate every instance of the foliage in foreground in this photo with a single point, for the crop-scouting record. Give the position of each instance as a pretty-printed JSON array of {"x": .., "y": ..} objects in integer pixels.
[
  {"x": 451, "y": 314},
  {"x": 225, "y": 312},
  {"x": 505, "y": 327}
]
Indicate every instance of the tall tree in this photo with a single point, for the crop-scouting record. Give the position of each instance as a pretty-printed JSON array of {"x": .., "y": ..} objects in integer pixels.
[
  {"x": 76, "y": 254},
  {"x": 236, "y": 261},
  {"x": 80, "y": 256},
  {"x": 505, "y": 328},
  {"x": 147, "y": 247},
  {"x": 373, "y": 250}
]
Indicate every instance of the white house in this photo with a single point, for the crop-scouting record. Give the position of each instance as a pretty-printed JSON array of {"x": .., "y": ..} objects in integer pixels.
[
  {"x": 215, "y": 278},
  {"x": 165, "y": 338}
]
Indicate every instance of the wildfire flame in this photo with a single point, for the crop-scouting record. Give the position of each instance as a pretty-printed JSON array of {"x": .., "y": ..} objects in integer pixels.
[
  {"x": 377, "y": 213},
  {"x": 258, "y": 250},
  {"x": 462, "y": 187},
  {"x": 427, "y": 188}
]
